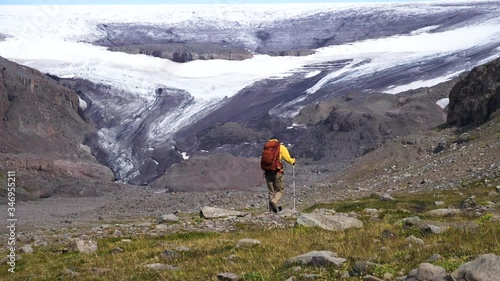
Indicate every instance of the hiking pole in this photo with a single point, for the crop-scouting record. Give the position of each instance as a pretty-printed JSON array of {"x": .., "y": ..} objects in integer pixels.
[{"x": 293, "y": 179}]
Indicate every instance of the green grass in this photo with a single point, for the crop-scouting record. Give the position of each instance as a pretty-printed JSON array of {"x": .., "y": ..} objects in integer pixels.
[{"x": 267, "y": 262}]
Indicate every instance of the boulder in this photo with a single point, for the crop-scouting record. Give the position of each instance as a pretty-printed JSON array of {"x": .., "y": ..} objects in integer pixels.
[
  {"x": 317, "y": 258},
  {"x": 169, "y": 255},
  {"x": 27, "y": 249},
  {"x": 167, "y": 218},
  {"x": 409, "y": 221},
  {"x": 427, "y": 272},
  {"x": 361, "y": 268},
  {"x": 214, "y": 213},
  {"x": 493, "y": 194},
  {"x": 84, "y": 246},
  {"x": 414, "y": 240},
  {"x": 435, "y": 258},
  {"x": 247, "y": 243},
  {"x": 371, "y": 278},
  {"x": 483, "y": 268},
  {"x": 227, "y": 276},
  {"x": 432, "y": 229},
  {"x": 388, "y": 276},
  {"x": 329, "y": 222},
  {"x": 387, "y": 197},
  {"x": 443, "y": 212},
  {"x": 183, "y": 249}
]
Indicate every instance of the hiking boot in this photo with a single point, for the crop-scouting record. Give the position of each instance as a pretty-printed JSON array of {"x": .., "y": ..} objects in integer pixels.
[{"x": 273, "y": 208}]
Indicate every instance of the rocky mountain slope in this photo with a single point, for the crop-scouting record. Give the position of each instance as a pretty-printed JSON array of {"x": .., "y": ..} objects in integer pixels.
[
  {"x": 155, "y": 110},
  {"x": 437, "y": 159},
  {"x": 476, "y": 97},
  {"x": 42, "y": 133}
]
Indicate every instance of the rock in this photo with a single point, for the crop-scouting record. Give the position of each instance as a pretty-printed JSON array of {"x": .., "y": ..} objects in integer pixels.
[
  {"x": 317, "y": 258},
  {"x": 291, "y": 278},
  {"x": 388, "y": 277},
  {"x": 463, "y": 138},
  {"x": 443, "y": 212},
  {"x": 475, "y": 97},
  {"x": 387, "y": 197},
  {"x": 117, "y": 250},
  {"x": 484, "y": 267},
  {"x": 84, "y": 246},
  {"x": 126, "y": 241},
  {"x": 27, "y": 249},
  {"x": 414, "y": 240},
  {"x": 469, "y": 203},
  {"x": 493, "y": 194},
  {"x": 387, "y": 234},
  {"x": 247, "y": 243},
  {"x": 371, "y": 212},
  {"x": 161, "y": 267},
  {"x": 435, "y": 258},
  {"x": 68, "y": 272},
  {"x": 329, "y": 222},
  {"x": 371, "y": 278},
  {"x": 183, "y": 249},
  {"x": 226, "y": 276},
  {"x": 427, "y": 272},
  {"x": 167, "y": 218},
  {"x": 169, "y": 255},
  {"x": 410, "y": 220},
  {"x": 361, "y": 268},
  {"x": 439, "y": 203},
  {"x": 442, "y": 146},
  {"x": 311, "y": 276},
  {"x": 288, "y": 213},
  {"x": 214, "y": 213},
  {"x": 498, "y": 188},
  {"x": 432, "y": 229}
]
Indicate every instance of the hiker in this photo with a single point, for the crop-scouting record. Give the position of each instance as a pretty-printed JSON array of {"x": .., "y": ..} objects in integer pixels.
[{"x": 271, "y": 162}]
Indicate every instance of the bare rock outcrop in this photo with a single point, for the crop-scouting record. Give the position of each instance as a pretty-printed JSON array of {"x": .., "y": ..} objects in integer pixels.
[{"x": 476, "y": 97}]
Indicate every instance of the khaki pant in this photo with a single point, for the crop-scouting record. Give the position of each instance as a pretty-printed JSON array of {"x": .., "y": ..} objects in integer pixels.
[{"x": 276, "y": 186}]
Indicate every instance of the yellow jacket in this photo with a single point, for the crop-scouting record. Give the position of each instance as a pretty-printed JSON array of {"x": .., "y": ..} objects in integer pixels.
[{"x": 285, "y": 154}]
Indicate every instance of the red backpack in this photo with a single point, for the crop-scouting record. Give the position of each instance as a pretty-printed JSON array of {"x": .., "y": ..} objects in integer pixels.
[{"x": 270, "y": 160}]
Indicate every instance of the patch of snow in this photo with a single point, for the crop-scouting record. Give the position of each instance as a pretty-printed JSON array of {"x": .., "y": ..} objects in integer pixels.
[
  {"x": 421, "y": 84},
  {"x": 156, "y": 162},
  {"x": 185, "y": 156},
  {"x": 83, "y": 104},
  {"x": 329, "y": 77},
  {"x": 443, "y": 103},
  {"x": 424, "y": 29},
  {"x": 295, "y": 125},
  {"x": 312, "y": 74}
]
